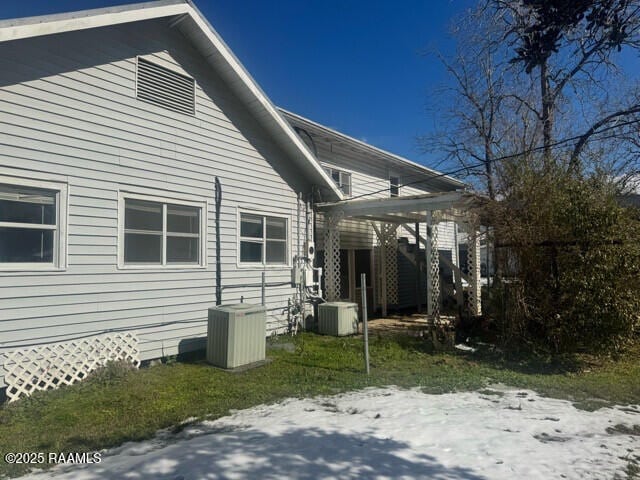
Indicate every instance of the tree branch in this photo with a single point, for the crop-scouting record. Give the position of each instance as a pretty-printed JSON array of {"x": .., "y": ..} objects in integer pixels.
[{"x": 584, "y": 138}]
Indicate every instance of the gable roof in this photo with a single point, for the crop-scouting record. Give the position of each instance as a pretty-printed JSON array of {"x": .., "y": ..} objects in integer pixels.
[
  {"x": 183, "y": 15},
  {"x": 435, "y": 178}
]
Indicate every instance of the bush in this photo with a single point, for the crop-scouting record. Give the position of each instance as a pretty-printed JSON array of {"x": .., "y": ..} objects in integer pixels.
[{"x": 569, "y": 259}]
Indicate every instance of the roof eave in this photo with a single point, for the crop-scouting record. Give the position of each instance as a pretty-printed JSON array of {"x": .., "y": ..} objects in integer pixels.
[
  {"x": 17, "y": 29},
  {"x": 379, "y": 151}
]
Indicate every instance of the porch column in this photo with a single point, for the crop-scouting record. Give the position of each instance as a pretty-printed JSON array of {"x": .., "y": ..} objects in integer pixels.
[
  {"x": 332, "y": 257},
  {"x": 433, "y": 268},
  {"x": 473, "y": 261}
]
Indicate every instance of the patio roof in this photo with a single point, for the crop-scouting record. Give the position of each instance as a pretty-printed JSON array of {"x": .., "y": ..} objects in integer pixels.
[
  {"x": 405, "y": 209},
  {"x": 392, "y": 212}
]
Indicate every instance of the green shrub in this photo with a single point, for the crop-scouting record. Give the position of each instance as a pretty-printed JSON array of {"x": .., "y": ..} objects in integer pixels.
[{"x": 569, "y": 258}]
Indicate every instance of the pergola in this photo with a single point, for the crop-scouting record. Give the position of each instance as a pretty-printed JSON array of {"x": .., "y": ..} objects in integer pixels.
[{"x": 386, "y": 215}]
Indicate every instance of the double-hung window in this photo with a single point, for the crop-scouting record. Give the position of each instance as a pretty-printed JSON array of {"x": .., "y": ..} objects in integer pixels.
[
  {"x": 394, "y": 186},
  {"x": 32, "y": 225},
  {"x": 162, "y": 233},
  {"x": 264, "y": 240},
  {"x": 341, "y": 178}
]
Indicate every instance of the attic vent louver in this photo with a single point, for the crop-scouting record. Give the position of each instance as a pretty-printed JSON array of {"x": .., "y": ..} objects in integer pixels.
[{"x": 166, "y": 88}]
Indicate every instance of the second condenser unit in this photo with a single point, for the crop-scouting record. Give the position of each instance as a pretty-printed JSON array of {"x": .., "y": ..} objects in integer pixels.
[{"x": 338, "y": 318}]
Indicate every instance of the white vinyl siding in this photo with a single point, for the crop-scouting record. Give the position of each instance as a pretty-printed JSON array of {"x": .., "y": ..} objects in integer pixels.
[
  {"x": 32, "y": 224},
  {"x": 70, "y": 116},
  {"x": 376, "y": 178}
]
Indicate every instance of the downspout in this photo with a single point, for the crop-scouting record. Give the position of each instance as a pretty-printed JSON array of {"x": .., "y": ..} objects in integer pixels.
[
  {"x": 307, "y": 220},
  {"x": 314, "y": 228},
  {"x": 218, "y": 200},
  {"x": 314, "y": 238},
  {"x": 418, "y": 279},
  {"x": 298, "y": 226},
  {"x": 298, "y": 262}
]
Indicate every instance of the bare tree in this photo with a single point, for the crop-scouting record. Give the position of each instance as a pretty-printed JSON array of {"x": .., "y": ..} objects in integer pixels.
[
  {"x": 531, "y": 75},
  {"x": 571, "y": 44},
  {"x": 473, "y": 121}
]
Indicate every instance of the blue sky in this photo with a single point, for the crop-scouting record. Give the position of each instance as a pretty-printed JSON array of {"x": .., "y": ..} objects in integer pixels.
[
  {"x": 359, "y": 66},
  {"x": 356, "y": 66}
]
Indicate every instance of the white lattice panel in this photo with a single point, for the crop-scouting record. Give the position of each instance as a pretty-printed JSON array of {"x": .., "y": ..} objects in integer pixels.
[
  {"x": 381, "y": 278},
  {"x": 48, "y": 366},
  {"x": 473, "y": 260},
  {"x": 332, "y": 258},
  {"x": 390, "y": 248},
  {"x": 434, "y": 271}
]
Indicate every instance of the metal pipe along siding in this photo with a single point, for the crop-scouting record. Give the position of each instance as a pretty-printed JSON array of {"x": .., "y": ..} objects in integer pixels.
[{"x": 218, "y": 199}]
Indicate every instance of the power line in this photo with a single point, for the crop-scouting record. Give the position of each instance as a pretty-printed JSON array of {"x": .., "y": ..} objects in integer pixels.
[
  {"x": 506, "y": 157},
  {"x": 502, "y": 158}
]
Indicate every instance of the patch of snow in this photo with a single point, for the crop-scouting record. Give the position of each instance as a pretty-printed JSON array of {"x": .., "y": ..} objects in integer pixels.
[
  {"x": 379, "y": 433},
  {"x": 465, "y": 348}
]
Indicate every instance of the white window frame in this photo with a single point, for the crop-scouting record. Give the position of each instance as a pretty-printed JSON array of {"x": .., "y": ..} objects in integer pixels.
[
  {"x": 262, "y": 265},
  {"x": 164, "y": 200},
  {"x": 60, "y": 239},
  {"x": 331, "y": 170}
]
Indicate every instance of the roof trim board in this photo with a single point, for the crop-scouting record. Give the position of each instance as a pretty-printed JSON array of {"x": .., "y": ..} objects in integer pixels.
[{"x": 27, "y": 27}]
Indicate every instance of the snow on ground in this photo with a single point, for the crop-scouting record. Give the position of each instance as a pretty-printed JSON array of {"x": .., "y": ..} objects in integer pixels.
[{"x": 385, "y": 433}]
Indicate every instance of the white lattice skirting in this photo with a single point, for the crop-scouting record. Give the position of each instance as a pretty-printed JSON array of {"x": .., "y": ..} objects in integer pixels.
[{"x": 48, "y": 366}]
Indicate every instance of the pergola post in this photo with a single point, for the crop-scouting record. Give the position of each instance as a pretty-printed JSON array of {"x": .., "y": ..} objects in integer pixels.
[
  {"x": 433, "y": 268},
  {"x": 388, "y": 263},
  {"x": 390, "y": 232},
  {"x": 332, "y": 257},
  {"x": 474, "y": 298},
  {"x": 457, "y": 278},
  {"x": 383, "y": 277}
]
